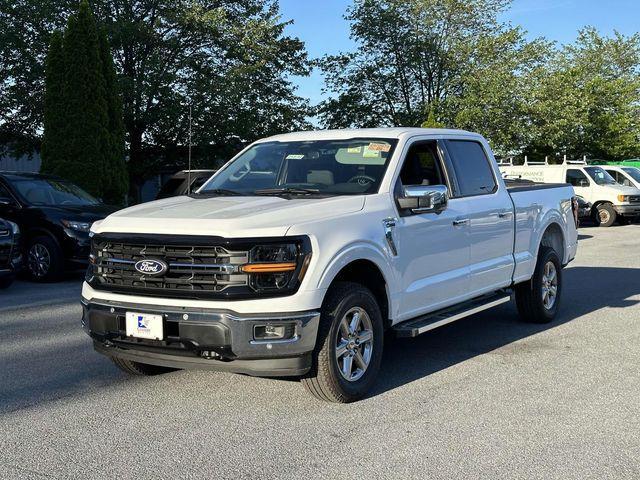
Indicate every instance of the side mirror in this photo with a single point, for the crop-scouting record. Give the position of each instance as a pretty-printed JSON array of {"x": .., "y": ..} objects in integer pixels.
[
  {"x": 583, "y": 183},
  {"x": 5, "y": 201},
  {"x": 424, "y": 198}
]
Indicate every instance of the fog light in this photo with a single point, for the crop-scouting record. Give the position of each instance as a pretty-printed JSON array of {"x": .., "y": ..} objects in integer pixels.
[{"x": 273, "y": 332}]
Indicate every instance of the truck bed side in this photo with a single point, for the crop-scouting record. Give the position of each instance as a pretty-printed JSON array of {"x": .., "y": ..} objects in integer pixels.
[{"x": 542, "y": 210}]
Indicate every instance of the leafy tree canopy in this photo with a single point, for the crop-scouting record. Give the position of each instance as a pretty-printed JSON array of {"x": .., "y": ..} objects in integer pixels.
[{"x": 229, "y": 59}]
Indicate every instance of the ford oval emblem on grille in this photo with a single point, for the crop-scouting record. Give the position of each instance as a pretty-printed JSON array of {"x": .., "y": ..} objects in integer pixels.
[{"x": 151, "y": 267}]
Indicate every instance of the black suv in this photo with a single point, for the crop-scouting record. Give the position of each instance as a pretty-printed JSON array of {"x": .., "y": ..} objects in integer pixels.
[
  {"x": 54, "y": 216},
  {"x": 10, "y": 255},
  {"x": 178, "y": 184}
]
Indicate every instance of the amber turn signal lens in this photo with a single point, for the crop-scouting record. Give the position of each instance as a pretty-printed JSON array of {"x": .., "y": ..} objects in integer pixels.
[{"x": 269, "y": 267}]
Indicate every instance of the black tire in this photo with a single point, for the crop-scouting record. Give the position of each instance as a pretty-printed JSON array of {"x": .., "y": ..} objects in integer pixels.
[
  {"x": 54, "y": 268},
  {"x": 606, "y": 215},
  {"x": 325, "y": 380},
  {"x": 529, "y": 295},
  {"x": 140, "y": 369}
]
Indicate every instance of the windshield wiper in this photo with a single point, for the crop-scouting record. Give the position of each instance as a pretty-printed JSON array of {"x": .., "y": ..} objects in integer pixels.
[
  {"x": 287, "y": 191},
  {"x": 219, "y": 191}
]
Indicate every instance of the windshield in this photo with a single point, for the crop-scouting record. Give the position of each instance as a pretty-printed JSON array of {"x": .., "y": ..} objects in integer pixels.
[
  {"x": 600, "y": 176},
  {"x": 317, "y": 167},
  {"x": 51, "y": 192},
  {"x": 633, "y": 172}
]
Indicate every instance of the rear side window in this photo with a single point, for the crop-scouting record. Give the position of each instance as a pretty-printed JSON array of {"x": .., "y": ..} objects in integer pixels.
[
  {"x": 472, "y": 168},
  {"x": 577, "y": 178}
]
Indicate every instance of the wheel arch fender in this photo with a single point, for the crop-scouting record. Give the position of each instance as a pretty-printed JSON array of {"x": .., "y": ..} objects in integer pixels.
[
  {"x": 551, "y": 233},
  {"x": 361, "y": 255},
  {"x": 39, "y": 232}
]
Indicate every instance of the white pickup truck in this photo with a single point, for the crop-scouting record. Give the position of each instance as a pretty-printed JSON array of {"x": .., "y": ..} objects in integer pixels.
[{"x": 297, "y": 255}]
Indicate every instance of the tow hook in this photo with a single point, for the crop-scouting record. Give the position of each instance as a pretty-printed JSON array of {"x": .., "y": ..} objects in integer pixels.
[{"x": 210, "y": 355}]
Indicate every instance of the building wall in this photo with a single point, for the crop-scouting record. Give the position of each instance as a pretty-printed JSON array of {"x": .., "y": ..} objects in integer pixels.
[{"x": 24, "y": 163}]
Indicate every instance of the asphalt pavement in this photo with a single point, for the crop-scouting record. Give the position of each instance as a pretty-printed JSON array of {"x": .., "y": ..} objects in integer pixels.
[{"x": 484, "y": 398}]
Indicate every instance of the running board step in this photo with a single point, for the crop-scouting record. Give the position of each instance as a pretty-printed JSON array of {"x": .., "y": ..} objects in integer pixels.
[{"x": 417, "y": 326}]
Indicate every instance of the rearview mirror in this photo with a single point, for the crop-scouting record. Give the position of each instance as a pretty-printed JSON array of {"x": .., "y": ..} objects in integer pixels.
[{"x": 424, "y": 198}]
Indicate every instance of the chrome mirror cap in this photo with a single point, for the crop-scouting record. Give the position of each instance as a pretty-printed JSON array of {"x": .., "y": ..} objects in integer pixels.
[{"x": 424, "y": 198}]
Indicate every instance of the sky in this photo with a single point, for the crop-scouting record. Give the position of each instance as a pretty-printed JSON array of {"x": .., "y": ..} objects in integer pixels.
[{"x": 320, "y": 24}]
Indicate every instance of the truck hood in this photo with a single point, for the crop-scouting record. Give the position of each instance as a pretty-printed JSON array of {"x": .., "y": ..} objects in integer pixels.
[
  {"x": 624, "y": 190},
  {"x": 226, "y": 216}
]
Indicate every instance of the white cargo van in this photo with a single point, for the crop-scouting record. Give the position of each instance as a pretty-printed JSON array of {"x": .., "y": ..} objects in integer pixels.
[
  {"x": 610, "y": 200},
  {"x": 627, "y": 176}
]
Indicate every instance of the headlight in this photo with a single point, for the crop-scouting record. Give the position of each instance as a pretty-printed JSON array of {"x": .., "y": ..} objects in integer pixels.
[
  {"x": 76, "y": 225},
  {"x": 277, "y": 267},
  {"x": 623, "y": 198}
]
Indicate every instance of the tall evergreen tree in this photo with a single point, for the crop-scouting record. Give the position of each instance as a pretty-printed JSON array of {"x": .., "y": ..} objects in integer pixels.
[
  {"x": 117, "y": 178},
  {"x": 54, "y": 107},
  {"x": 88, "y": 140}
]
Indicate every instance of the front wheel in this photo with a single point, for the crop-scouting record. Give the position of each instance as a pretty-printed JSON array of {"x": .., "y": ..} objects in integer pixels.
[
  {"x": 139, "y": 369},
  {"x": 606, "y": 215},
  {"x": 538, "y": 299},
  {"x": 45, "y": 262},
  {"x": 348, "y": 350}
]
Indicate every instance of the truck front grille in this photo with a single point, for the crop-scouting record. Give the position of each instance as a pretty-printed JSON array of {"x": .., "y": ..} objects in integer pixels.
[
  {"x": 192, "y": 269},
  {"x": 634, "y": 199}
]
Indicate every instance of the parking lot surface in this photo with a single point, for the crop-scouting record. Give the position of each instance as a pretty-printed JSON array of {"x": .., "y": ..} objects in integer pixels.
[{"x": 486, "y": 397}]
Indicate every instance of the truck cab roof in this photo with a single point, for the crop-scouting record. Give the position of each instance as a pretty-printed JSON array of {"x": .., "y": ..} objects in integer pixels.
[{"x": 394, "y": 132}]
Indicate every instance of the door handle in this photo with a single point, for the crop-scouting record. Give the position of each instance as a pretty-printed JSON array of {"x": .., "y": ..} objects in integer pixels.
[
  {"x": 505, "y": 214},
  {"x": 461, "y": 222}
]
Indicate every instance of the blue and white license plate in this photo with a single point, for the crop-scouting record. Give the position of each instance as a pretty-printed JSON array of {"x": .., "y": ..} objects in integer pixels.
[{"x": 144, "y": 325}]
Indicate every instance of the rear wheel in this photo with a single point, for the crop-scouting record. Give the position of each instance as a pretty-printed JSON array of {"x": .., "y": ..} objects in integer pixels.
[
  {"x": 45, "y": 262},
  {"x": 139, "y": 369},
  {"x": 348, "y": 350},
  {"x": 538, "y": 299},
  {"x": 605, "y": 215}
]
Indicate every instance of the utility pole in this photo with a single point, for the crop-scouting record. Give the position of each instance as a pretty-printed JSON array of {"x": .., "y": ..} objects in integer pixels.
[{"x": 189, "y": 171}]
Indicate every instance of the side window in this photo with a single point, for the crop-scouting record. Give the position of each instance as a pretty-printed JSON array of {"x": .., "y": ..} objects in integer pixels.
[
  {"x": 422, "y": 165},
  {"x": 616, "y": 176},
  {"x": 577, "y": 178},
  {"x": 472, "y": 168}
]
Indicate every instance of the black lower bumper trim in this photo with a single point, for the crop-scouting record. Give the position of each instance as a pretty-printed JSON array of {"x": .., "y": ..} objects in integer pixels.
[{"x": 268, "y": 367}]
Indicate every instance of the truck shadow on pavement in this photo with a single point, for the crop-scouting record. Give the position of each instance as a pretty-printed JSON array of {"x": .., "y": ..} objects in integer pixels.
[
  {"x": 586, "y": 289},
  {"x": 52, "y": 360}
]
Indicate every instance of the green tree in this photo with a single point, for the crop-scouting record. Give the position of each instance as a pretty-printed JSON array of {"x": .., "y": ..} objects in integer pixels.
[
  {"x": 117, "y": 179},
  {"x": 231, "y": 60},
  {"x": 88, "y": 141},
  {"x": 55, "y": 133},
  {"x": 431, "y": 121},
  {"x": 412, "y": 54},
  {"x": 588, "y": 100}
]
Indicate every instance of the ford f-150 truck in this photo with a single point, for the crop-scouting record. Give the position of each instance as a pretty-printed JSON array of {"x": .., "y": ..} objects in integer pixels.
[{"x": 297, "y": 256}]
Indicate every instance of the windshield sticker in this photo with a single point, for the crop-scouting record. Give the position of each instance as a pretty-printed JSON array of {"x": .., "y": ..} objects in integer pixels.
[
  {"x": 295, "y": 157},
  {"x": 354, "y": 150},
  {"x": 371, "y": 154},
  {"x": 379, "y": 147}
]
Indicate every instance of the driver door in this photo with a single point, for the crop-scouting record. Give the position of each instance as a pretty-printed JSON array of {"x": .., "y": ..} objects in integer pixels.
[{"x": 433, "y": 248}]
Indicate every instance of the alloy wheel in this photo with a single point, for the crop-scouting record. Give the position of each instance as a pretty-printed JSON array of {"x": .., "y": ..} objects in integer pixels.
[
  {"x": 549, "y": 285},
  {"x": 39, "y": 260},
  {"x": 354, "y": 344}
]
